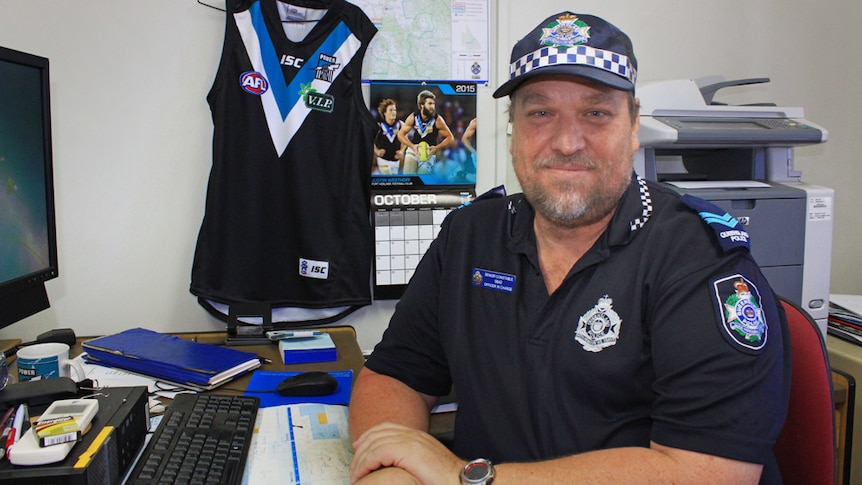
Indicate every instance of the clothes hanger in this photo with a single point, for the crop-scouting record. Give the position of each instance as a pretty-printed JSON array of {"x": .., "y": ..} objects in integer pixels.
[
  {"x": 210, "y": 6},
  {"x": 298, "y": 3},
  {"x": 311, "y": 4}
]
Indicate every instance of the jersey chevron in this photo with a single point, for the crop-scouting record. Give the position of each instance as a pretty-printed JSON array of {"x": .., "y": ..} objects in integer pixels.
[{"x": 283, "y": 103}]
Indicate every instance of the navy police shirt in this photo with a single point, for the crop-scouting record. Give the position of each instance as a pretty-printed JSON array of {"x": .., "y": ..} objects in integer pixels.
[{"x": 664, "y": 331}]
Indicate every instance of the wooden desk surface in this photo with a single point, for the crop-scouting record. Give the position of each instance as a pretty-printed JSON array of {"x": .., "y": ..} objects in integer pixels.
[{"x": 349, "y": 355}]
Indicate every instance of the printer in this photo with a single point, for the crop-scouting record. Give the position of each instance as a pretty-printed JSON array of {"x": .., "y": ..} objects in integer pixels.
[{"x": 740, "y": 158}]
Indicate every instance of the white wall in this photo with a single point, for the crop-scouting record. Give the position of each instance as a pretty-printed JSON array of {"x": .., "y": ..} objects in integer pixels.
[{"x": 132, "y": 129}]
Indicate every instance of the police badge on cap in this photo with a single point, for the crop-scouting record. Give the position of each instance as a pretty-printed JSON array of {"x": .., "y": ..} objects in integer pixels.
[
  {"x": 567, "y": 30},
  {"x": 574, "y": 44}
]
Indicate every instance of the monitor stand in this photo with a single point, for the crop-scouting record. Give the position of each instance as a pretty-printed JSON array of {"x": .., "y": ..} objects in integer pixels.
[
  {"x": 23, "y": 303},
  {"x": 241, "y": 333}
]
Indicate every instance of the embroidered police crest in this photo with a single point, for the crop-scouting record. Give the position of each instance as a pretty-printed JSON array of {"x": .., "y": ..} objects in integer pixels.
[
  {"x": 599, "y": 328},
  {"x": 742, "y": 316},
  {"x": 566, "y": 31}
]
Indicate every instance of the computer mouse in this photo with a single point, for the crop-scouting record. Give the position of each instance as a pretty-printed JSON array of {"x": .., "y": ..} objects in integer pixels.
[{"x": 314, "y": 383}]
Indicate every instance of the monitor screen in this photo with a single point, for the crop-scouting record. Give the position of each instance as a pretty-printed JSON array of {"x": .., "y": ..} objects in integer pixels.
[{"x": 28, "y": 248}]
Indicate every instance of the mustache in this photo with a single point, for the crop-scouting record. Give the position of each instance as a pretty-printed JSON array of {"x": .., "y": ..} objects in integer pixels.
[{"x": 577, "y": 160}]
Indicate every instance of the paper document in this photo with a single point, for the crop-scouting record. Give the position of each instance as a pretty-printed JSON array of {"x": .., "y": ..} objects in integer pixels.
[
  {"x": 850, "y": 302},
  {"x": 104, "y": 376},
  {"x": 306, "y": 444},
  {"x": 720, "y": 184}
]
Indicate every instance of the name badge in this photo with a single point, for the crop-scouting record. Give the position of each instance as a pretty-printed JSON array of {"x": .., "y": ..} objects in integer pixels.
[{"x": 493, "y": 280}]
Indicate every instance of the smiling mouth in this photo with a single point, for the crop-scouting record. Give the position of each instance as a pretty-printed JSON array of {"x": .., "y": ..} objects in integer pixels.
[
  {"x": 568, "y": 164},
  {"x": 570, "y": 167},
  {"x": 567, "y": 167}
]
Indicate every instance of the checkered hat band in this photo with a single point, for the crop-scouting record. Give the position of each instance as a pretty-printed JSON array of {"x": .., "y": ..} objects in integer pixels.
[{"x": 582, "y": 54}]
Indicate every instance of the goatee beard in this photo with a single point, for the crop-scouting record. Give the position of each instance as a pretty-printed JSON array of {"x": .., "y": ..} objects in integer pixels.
[{"x": 578, "y": 205}]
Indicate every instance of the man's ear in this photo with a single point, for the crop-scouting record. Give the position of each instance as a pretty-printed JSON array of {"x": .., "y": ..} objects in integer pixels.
[{"x": 636, "y": 124}]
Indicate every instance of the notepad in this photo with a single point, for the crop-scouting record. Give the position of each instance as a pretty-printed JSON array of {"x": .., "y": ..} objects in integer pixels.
[
  {"x": 170, "y": 358},
  {"x": 319, "y": 348}
]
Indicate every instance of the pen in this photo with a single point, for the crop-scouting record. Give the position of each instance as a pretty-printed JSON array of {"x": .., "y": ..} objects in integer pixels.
[
  {"x": 15, "y": 432},
  {"x": 285, "y": 334},
  {"x": 5, "y": 426},
  {"x": 6, "y": 421}
]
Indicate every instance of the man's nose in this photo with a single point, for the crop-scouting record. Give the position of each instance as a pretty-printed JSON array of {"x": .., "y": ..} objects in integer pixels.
[{"x": 568, "y": 137}]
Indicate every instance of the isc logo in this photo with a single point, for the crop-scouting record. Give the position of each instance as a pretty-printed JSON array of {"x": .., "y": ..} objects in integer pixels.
[
  {"x": 313, "y": 269},
  {"x": 253, "y": 82},
  {"x": 287, "y": 60}
]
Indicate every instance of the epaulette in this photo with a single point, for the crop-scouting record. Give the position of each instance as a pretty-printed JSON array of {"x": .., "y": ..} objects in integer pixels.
[{"x": 727, "y": 229}]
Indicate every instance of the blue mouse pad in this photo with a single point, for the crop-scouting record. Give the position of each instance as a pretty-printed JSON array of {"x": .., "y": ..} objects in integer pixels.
[{"x": 263, "y": 384}]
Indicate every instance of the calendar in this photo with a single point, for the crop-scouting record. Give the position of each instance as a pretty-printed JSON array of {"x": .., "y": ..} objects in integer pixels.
[
  {"x": 409, "y": 201},
  {"x": 405, "y": 224}
]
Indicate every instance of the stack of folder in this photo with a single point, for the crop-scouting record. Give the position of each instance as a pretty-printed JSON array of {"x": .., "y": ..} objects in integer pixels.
[
  {"x": 185, "y": 363},
  {"x": 844, "y": 323}
]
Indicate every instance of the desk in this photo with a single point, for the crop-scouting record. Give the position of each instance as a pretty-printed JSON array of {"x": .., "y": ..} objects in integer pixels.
[
  {"x": 349, "y": 356},
  {"x": 847, "y": 358}
]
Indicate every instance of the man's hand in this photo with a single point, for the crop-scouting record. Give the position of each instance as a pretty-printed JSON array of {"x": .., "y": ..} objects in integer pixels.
[
  {"x": 388, "y": 476},
  {"x": 416, "y": 452}
]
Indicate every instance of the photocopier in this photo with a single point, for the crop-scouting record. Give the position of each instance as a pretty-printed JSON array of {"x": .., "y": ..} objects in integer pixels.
[{"x": 740, "y": 158}]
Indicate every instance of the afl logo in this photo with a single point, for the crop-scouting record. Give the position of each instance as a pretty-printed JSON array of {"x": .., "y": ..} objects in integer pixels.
[{"x": 253, "y": 82}]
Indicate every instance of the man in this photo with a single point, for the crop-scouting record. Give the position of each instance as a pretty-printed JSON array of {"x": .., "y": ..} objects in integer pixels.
[
  {"x": 595, "y": 328},
  {"x": 427, "y": 127},
  {"x": 467, "y": 138},
  {"x": 388, "y": 150}
]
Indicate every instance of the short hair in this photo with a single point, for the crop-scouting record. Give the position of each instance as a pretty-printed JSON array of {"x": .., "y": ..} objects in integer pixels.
[
  {"x": 381, "y": 108},
  {"x": 423, "y": 95}
]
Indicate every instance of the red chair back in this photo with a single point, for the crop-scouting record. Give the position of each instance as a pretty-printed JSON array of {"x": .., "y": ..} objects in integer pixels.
[{"x": 806, "y": 448}]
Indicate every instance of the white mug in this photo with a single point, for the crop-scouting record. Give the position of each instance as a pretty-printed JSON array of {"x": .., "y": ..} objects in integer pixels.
[{"x": 47, "y": 361}]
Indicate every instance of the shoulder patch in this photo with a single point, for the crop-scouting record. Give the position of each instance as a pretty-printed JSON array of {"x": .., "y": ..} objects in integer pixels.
[
  {"x": 742, "y": 319},
  {"x": 728, "y": 231}
]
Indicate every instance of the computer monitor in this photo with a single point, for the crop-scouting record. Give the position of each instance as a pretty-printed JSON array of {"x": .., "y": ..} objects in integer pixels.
[{"x": 28, "y": 236}]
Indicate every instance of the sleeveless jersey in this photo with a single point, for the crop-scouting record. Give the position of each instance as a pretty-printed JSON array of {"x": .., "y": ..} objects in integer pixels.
[
  {"x": 286, "y": 222},
  {"x": 424, "y": 130},
  {"x": 387, "y": 139}
]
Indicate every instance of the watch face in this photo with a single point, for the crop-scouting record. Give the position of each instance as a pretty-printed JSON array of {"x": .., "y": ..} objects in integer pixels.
[{"x": 476, "y": 471}]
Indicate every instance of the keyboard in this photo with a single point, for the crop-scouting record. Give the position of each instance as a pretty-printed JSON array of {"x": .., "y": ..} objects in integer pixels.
[{"x": 201, "y": 439}]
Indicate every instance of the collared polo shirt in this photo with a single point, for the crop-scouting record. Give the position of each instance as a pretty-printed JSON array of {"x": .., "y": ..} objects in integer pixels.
[{"x": 657, "y": 333}]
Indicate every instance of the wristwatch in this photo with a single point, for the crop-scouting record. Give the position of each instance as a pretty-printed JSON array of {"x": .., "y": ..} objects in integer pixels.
[{"x": 477, "y": 472}]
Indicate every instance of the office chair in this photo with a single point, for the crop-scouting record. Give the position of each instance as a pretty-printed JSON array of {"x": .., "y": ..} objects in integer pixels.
[{"x": 806, "y": 448}]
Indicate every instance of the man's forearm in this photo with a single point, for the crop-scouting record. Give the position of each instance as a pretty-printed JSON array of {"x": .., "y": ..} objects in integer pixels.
[
  {"x": 378, "y": 398},
  {"x": 655, "y": 465}
]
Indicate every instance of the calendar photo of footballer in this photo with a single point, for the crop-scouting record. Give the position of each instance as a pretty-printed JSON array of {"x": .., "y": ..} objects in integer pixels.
[{"x": 425, "y": 136}]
